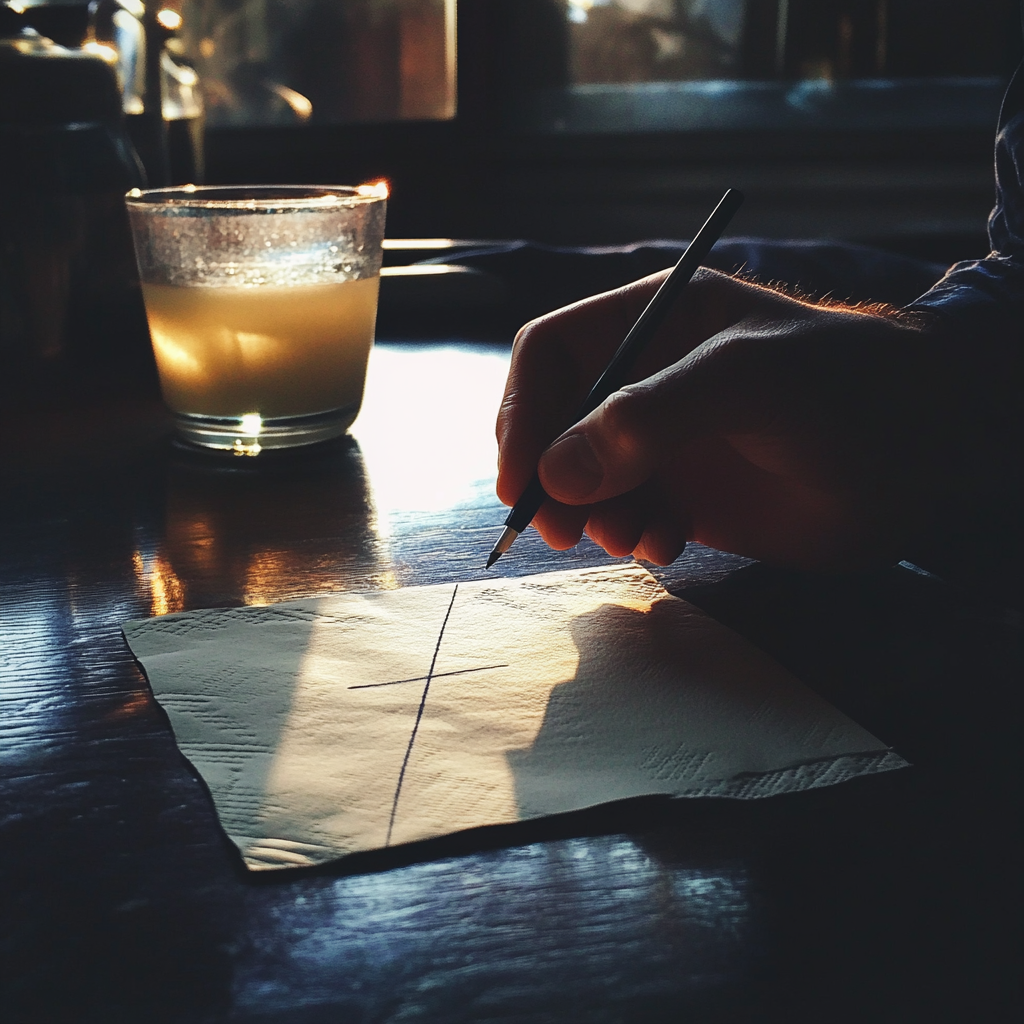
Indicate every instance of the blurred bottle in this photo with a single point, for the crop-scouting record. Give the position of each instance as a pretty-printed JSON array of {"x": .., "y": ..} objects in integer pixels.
[
  {"x": 70, "y": 310},
  {"x": 164, "y": 107},
  {"x": 184, "y": 115}
]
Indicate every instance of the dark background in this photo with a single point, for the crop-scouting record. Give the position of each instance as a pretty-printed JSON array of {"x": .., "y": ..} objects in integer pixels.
[{"x": 923, "y": 189}]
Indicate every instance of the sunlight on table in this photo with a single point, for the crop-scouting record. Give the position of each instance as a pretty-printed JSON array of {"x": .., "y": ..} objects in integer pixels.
[{"x": 426, "y": 429}]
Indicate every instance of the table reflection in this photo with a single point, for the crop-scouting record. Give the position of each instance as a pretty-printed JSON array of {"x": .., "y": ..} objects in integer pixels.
[
  {"x": 577, "y": 920},
  {"x": 255, "y": 531},
  {"x": 345, "y": 515}
]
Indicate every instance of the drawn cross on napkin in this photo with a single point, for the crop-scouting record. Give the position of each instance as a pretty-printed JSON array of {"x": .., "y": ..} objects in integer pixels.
[{"x": 562, "y": 691}]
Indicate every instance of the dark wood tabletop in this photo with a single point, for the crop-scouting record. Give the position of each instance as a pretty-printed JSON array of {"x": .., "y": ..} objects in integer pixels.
[{"x": 890, "y": 898}]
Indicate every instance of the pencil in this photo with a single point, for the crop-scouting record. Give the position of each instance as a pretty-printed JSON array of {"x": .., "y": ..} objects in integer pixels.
[{"x": 616, "y": 373}]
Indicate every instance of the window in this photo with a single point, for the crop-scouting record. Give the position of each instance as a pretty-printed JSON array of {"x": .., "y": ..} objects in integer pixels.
[
  {"x": 288, "y": 62},
  {"x": 599, "y": 121},
  {"x": 692, "y": 65}
]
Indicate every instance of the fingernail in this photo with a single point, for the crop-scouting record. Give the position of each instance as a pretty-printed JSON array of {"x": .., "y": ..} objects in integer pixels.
[{"x": 571, "y": 469}]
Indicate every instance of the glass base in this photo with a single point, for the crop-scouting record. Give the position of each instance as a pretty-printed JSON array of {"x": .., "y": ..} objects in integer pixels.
[{"x": 251, "y": 434}]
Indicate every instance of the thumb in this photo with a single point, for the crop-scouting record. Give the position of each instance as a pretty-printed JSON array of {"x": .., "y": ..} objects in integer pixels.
[
  {"x": 622, "y": 443},
  {"x": 734, "y": 382}
]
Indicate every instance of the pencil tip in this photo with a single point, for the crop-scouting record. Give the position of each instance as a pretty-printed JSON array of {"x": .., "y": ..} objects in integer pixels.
[{"x": 504, "y": 543}]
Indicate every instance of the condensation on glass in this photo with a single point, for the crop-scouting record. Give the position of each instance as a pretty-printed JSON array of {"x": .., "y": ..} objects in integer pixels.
[{"x": 280, "y": 62}]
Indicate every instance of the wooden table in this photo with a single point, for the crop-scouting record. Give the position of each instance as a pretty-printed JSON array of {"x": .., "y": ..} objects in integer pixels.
[{"x": 891, "y": 898}]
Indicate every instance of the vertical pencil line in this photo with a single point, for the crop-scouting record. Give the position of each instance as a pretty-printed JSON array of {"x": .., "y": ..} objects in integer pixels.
[{"x": 419, "y": 716}]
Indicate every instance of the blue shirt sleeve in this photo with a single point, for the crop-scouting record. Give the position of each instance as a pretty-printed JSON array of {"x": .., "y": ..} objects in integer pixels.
[{"x": 988, "y": 295}]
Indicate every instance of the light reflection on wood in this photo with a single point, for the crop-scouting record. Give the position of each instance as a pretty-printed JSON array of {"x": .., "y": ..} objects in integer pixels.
[
  {"x": 270, "y": 523},
  {"x": 135, "y": 704},
  {"x": 168, "y": 591}
]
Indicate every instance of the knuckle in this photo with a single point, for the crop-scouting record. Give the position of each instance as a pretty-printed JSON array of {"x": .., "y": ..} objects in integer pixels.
[
  {"x": 624, "y": 419},
  {"x": 524, "y": 334},
  {"x": 539, "y": 330}
]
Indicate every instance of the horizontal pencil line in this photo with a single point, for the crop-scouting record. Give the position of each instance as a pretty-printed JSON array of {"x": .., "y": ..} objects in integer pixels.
[{"x": 420, "y": 679}]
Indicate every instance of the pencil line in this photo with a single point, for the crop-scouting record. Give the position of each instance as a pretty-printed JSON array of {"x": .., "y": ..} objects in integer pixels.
[
  {"x": 419, "y": 716},
  {"x": 419, "y": 679}
]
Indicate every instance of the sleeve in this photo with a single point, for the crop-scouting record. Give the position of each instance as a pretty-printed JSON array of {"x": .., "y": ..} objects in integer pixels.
[
  {"x": 979, "y": 312},
  {"x": 988, "y": 294}
]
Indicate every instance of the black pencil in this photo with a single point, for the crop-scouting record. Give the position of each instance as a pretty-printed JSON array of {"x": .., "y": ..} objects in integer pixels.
[{"x": 617, "y": 372}]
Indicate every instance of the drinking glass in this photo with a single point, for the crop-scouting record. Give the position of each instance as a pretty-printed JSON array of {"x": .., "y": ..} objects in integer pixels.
[{"x": 261, "y": 303}]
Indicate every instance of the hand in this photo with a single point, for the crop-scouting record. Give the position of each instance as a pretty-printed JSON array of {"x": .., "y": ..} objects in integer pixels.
[{"x": 809, "y": 435}]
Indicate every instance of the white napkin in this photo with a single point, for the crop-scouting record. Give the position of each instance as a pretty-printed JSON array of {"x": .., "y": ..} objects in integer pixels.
[{"x": 319, "y": 734}]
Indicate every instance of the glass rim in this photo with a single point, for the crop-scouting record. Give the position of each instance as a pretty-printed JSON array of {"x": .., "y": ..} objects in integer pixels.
[{"x": 255, "y": 198}]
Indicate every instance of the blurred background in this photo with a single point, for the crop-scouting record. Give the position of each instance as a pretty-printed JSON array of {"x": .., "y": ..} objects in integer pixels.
[{"x": 589, "y": 121}]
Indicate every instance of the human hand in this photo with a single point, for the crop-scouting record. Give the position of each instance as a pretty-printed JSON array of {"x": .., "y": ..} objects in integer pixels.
[{"x": 800, "y": 434}]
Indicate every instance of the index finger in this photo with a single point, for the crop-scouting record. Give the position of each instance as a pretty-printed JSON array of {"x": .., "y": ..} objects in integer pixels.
[{"x": 555, "y": 361}]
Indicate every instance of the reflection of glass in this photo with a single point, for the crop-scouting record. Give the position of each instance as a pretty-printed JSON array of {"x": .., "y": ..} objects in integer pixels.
[
  {"x": 261, "y": 304},
  {"x": 288, "y": 61},
  {"x": 264, "y": 530}
]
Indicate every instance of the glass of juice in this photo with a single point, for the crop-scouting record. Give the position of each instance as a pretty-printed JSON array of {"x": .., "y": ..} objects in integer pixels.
[{"x": 261, "y": 303}]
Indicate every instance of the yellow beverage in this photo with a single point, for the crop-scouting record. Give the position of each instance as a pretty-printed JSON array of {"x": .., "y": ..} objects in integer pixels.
[{"x": 276, "y": 351}]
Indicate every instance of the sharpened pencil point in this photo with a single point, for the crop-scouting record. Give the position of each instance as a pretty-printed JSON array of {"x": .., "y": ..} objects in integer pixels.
[{"x": 504, "y": 543}]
